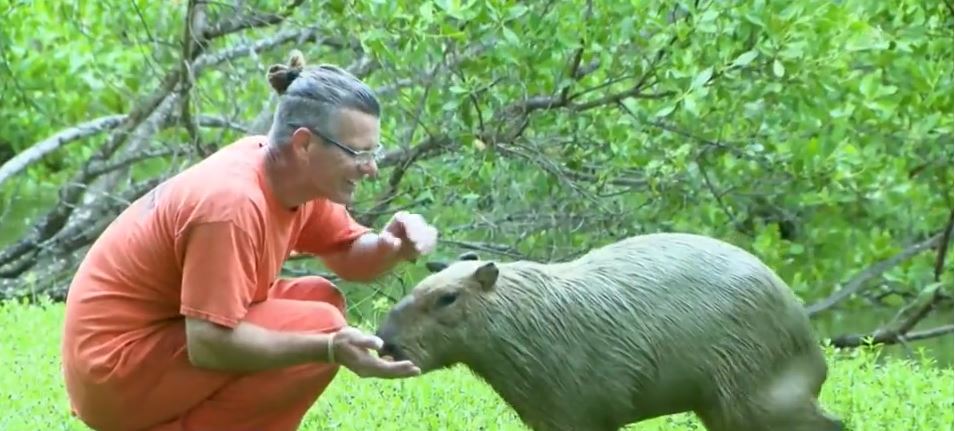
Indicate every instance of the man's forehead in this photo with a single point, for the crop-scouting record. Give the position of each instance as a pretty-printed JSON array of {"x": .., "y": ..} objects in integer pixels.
[{"x": 359, "y": 130}]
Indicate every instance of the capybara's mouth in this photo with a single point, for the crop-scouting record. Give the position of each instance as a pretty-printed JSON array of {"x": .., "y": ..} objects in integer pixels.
[{"x": 392, "y": 351}]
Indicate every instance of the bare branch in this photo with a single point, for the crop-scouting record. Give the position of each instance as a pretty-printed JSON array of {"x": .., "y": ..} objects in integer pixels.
[
  {"x": 133, "y": 159},
  {"x": 299, "y": 35},
  {"x": 191, "y": 48},
  {"x": 403, "y": 158},
  {"x": 249, "y": 20},
  {"x": 943, "y": 246},
  {"x": 497, "y": 249},
  {"x": 859, "y": 280}
]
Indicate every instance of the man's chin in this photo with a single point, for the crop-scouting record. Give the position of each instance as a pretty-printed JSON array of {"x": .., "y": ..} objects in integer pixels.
[{"x": 343, "y": 199}]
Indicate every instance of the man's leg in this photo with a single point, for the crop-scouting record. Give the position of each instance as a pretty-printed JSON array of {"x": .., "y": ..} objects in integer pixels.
[
  {"x": 275, "y": 399},
  {"x": 309, "y": 288}
]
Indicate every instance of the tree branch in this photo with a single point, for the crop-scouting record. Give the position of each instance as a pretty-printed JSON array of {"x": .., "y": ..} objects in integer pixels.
[{"x": 36, "y": 152}]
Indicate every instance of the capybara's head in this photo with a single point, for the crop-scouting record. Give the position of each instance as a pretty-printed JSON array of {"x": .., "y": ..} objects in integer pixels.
[{"x": 433, "y": 324}]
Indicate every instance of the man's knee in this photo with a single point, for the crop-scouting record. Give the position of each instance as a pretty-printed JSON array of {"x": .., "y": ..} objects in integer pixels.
[
  {"x": 297, "y": 315},
  {"x": 310, "y": 288}
]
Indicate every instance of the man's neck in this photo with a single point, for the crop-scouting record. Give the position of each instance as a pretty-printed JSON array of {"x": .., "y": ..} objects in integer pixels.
[{"x": 279, "y": 181}]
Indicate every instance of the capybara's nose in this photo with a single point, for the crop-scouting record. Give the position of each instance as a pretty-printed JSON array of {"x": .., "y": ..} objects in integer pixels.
[
  {"x": 392, "y": 351},
  {"x": 388, "y": 350}
]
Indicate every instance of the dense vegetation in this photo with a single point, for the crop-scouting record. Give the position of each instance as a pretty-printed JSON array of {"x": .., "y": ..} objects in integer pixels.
[{"x": 817, "y": 134}]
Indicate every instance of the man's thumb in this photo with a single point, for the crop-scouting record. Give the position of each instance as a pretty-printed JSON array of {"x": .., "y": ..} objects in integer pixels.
[
  {"x": 390, "y": 240},
  {"x": 368, "y": 342}
]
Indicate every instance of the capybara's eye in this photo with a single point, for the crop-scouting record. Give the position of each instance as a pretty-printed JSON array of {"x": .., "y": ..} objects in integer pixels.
[{"x": 446, "y": 299}]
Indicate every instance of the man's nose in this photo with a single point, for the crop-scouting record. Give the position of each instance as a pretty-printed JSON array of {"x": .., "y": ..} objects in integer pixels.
[{"x": 370, "y": 169}]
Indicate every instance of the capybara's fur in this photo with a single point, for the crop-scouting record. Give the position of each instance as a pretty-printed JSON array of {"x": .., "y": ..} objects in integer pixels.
[{"x": 648, "y": 326}]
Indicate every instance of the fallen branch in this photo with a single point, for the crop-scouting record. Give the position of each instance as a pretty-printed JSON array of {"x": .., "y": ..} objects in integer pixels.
[
  {"x": 36, "y": 152},
  {"x": 858, "y": 340},
  {"x": 155, "y": 108}
]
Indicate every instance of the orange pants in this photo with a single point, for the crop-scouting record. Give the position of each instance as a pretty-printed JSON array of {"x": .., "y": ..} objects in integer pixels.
[{"x": 188, "y": 398}]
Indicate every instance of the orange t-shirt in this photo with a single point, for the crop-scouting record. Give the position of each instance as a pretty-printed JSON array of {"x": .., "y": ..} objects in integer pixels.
[{"x": 206, "y": 243}]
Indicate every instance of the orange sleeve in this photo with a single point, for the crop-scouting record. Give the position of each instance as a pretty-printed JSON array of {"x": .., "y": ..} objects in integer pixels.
[
  {"x": 219, "y": 273},
  {"x": 329, "y": 228}
]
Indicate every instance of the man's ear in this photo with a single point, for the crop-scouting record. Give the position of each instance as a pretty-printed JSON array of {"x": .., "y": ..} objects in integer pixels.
[
  {"x": 435, "y": 266},
  {"x": 301, "y": 140},
  {"x": 486, "y": 275}
]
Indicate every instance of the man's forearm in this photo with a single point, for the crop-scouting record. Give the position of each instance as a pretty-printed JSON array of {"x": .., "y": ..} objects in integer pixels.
[
  {"x": 249, "y": 347},
  {"x": 365, "y": 260}
]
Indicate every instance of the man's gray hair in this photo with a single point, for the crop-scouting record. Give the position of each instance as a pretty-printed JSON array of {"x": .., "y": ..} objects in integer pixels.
[{"x": 313, "y": 96}]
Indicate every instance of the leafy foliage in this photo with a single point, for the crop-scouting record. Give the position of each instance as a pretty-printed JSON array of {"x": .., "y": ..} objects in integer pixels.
[{"x": 816, "y": 134}]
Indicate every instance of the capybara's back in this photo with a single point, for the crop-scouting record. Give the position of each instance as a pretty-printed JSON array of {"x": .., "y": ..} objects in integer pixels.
[{"x": 693, "y": 323}]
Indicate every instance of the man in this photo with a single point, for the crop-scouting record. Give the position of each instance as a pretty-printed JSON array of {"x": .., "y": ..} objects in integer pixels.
[{"x": 176, "y": 320}]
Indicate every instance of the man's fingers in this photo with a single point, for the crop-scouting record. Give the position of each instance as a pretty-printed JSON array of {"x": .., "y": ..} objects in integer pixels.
[
  {"x": 386, "y": 369},
  {"x": 366, "y": 341},
  {"x": 390, "y": 240},
  {"x": 426, "y": 240},
  {"x": 423, "y": 236}
]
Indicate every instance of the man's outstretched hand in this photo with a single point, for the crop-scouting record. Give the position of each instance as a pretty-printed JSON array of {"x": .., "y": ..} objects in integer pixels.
[
  {"x": 409, "y": 235},
  {"x": 352, "y": 350}
]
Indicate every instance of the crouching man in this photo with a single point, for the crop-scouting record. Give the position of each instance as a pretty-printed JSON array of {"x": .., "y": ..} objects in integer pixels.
[{"x": 176, "y": 318}]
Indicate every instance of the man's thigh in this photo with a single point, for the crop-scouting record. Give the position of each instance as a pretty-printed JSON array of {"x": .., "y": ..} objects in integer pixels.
[
  {"x": 240, "y": 400},
  {"x": 308, "y": 288}
]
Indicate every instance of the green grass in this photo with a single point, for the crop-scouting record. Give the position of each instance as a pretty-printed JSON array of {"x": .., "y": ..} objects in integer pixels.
[{"x": 869, "y": 393}]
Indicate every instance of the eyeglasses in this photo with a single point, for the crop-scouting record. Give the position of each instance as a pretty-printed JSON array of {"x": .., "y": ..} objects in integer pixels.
[{"x": 361, "y": 157}]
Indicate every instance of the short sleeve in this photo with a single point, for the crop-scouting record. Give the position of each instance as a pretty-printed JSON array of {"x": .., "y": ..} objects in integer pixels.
[
  {"x": 218, "y": 274},
  {"x": 328, "y": 228}
]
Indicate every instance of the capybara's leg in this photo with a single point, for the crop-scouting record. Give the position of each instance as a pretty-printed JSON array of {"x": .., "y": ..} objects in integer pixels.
[
  {"x": 804, "y": 416},
  {"x": 726, "y": 419},
  {"x": 785, "y": 402}
]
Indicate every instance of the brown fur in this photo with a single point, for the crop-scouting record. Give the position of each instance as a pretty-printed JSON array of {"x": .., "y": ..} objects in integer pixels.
[{"x": 648, "y": 326}]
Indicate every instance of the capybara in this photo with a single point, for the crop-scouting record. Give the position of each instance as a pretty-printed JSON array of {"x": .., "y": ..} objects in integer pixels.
[{"x": 648, "y": 326}]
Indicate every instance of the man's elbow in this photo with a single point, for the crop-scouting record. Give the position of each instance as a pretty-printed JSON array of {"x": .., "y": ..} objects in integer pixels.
[
  {"x": 350, "y": 270},
  {"x": 202, "y": 337}
]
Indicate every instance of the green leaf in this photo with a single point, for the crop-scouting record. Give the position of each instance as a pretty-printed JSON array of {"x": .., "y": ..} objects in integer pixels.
[
  {"x": 778, "y": 68},
  {"x": 666, "y": 110},
  {"x": 702, "y": 78},
  {"x": 745, "y": 58}
]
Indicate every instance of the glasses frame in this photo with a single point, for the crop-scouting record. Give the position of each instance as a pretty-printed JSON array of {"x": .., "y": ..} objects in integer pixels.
[{"x": 362, "y": 157}]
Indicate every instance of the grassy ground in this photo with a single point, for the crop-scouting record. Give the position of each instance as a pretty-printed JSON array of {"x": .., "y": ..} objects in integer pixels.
[{"x": 870, "y": 395}]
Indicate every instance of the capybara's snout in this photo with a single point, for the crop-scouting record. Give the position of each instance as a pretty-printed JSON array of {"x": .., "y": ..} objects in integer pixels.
[{"x": 387, "y": 335}]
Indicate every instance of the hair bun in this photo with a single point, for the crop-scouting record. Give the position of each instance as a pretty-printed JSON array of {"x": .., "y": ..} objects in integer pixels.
[{"x": 280, "y": 76}]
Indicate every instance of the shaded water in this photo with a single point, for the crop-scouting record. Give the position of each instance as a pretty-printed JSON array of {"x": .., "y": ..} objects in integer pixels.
[{"x": 14, "y": 220}]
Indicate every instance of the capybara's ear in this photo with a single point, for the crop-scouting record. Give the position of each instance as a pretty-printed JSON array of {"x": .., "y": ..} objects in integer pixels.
[
  {"x": 296, "y": 60},
  {"x": 435, "y": 266},
  {"x": 486, "y": 275},
  {"x": 468, "y": 255}
]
